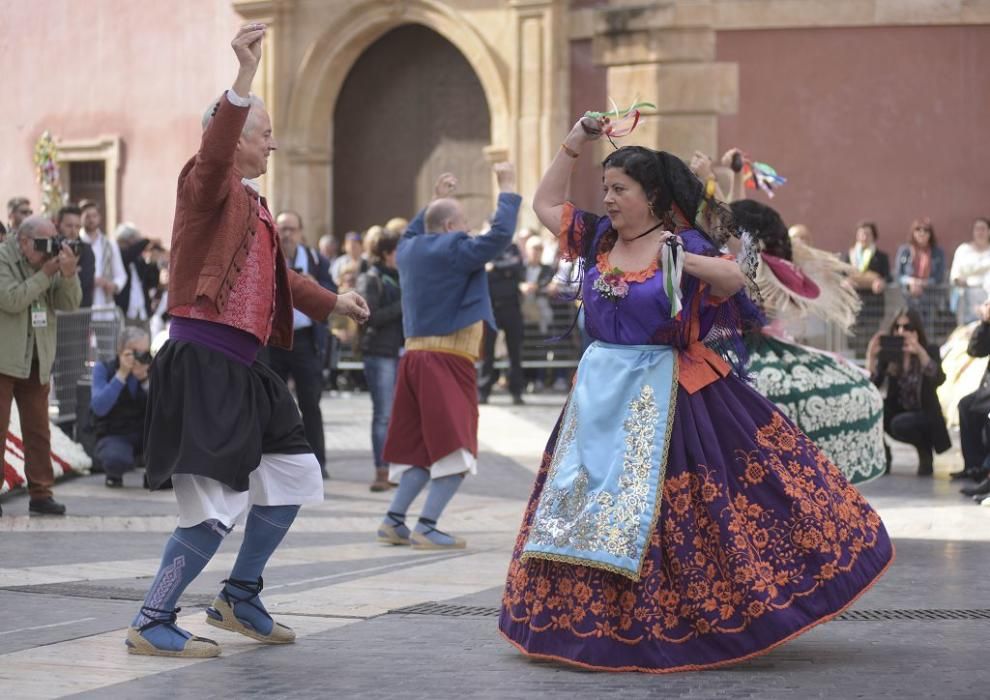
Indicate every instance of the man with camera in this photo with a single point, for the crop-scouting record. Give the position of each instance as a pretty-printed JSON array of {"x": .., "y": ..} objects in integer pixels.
[
  {"x": 38, "y": 277},
  {"x": 119, "y": 403}
]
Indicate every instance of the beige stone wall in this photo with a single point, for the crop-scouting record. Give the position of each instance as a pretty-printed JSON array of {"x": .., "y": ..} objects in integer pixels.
[{"x": 516, "y": 47}]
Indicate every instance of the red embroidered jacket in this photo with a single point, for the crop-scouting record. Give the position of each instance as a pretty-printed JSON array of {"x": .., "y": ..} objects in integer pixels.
[{"x": 216, "y": 222}]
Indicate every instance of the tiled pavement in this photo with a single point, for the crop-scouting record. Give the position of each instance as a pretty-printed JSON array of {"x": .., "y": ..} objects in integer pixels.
[{"x": 68, "y": 588}]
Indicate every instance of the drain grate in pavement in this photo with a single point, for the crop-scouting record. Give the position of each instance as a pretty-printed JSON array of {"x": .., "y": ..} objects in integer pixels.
[
  {"x": 913, "y": 615},
  {"x": 445, "y": 610},
  {"x": 84, "y": 589},
  {"x": 449, "y": 610}
]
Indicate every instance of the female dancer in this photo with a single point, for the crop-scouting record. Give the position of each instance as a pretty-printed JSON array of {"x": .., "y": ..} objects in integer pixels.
[{"x": 679, "y": 520}]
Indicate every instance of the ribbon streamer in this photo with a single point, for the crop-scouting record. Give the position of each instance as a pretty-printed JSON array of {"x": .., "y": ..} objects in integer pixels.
[
  {"x": 762, "y": 176},
  {"x": 672, "y": 265},
  {"x": 619, "y": 123}
]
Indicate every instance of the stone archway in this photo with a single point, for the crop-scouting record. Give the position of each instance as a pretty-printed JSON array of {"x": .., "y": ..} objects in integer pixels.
[
  {"x": 316, "y": 87},
  {"x": 410, "y": 108}
]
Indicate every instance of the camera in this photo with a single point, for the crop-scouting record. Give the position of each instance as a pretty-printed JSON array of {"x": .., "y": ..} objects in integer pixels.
[
  {"x": 143, "y": 357},
  {"x": 51, "y": 246}
]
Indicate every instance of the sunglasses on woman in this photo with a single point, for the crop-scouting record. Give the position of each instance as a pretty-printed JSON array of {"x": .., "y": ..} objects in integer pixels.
[{"x": 903, "y": 327}]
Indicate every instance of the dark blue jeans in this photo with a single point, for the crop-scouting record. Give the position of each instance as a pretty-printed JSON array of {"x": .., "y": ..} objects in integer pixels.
[
  {"x": 117, "y": 452},
  {"x": 380, "y": 374}
]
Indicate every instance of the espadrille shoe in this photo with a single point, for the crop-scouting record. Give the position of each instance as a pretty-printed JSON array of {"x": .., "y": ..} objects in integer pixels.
[
  {"x": 387, "y": 534},
  {"x": 194, "y": 648},
  {"x": 421, "y": 542},
  {"x": 221, "y": 614}
]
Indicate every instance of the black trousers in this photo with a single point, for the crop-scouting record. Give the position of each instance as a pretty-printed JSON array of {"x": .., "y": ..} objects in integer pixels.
[
  {"x": 911, "y": 427},
  {"x": 508, "y": 318},
  {"x": 304, "y": 364},
  {"x": 973, "y": 422}
]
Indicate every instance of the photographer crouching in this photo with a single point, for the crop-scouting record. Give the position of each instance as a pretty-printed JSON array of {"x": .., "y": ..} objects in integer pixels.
[
  {"x": 911, "y": 370},
  {"x": 119, "y": 403},
  {"x": 38, "y": 276}
]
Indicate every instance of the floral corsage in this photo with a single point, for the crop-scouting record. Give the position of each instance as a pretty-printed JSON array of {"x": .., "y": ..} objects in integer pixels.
[{"x": 612, "y": 285}]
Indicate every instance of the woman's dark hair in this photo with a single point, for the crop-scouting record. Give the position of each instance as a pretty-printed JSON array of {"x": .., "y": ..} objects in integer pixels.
[
  {"x": 765, "y": 225},
  {"x": 668, "y": 182},
  {"x": 925, "y": 224},
  {"x": 870, "y": 225},
  {"x": 916, "y": 323}
]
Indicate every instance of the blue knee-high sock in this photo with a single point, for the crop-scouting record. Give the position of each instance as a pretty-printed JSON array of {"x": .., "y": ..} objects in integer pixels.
[
  {"x": 266, "y": 526},
  {"x": 439, "y": 495},
  {"x": 186, "y": 553},
  {"x": 410, "y": 484}
]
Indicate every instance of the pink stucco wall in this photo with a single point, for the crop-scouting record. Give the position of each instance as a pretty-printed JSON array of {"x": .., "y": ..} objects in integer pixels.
[
  {"x": 881, "y": 123},
  {"x": 144, "y": 71}
]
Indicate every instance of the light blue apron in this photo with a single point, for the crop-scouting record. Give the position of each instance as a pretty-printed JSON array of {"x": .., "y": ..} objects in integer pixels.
[{"x": 601, "y": 498}]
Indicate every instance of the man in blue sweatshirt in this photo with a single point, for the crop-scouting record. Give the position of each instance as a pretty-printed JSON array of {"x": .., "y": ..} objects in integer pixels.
[{"x": 433, "y": 433}]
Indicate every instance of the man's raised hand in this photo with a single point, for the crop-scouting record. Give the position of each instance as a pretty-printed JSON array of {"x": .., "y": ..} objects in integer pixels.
[
  {"x": 505, "y": 174},
  {"x": 247, "y": 44},
  {"x": 445, "y": 186}
]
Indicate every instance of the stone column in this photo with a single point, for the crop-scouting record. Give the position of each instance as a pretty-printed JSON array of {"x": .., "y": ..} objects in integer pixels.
[
  {"x": 665, "y": 54},
  {"x": 539, "y": 91}
]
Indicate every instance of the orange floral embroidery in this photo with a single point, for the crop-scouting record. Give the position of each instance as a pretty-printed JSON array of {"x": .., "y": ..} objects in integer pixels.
[{"x": 725, "y": 554}]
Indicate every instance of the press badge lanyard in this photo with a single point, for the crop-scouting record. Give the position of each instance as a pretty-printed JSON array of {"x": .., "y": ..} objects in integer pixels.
[{"x": 39, "y": 316}]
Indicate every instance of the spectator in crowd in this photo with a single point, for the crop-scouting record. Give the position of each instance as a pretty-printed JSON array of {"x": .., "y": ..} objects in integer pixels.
[
  {"x": 382, "y": 338},
  {"x": 119, "y": 402},
  {"x": 3, "y": 232},
  {"x": 921, "y": 271},
  {"x": 346, "y": 337},
  {"x": 973, "y": 411},
  {"x": 872, "y": 273},
  {"x": 109, "y": 275},
  {"x": 800, "y": 233},
  {"x": 911, "y": 370},
  {"x": 18, "y": 209},
  {"x": 505, "y": 274},
  {"x": 353, "y": 257},
  {"x": 327, "y": 246},
  {"x": 309, "y": 336},
  {"x": 69, "y": 223},
  {"x": 535, "y": 286},
  {"x": 397, "y": 225},
  {"x": 970, "y": 273},
  {"x": 134, "y": 297},
  {"x": 33, "y": 286}
]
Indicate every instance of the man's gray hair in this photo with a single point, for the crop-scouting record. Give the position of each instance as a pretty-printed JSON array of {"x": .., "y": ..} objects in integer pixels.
[
  {"x": 126, "y": 232},
  {"x": 30, "y": 225},
  {"x": 256, "y": 102},
  {"x": 130, "y": 334}
]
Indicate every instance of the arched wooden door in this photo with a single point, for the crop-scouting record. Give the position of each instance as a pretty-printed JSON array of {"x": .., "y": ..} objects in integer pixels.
[{"x": 410, "y": 109}]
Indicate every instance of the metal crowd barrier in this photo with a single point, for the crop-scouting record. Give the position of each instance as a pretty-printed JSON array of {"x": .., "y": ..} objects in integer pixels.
[
  {"x": 83, "y": 338},
  {"x": 877, "y": 313},
  {"x": 538, "y": 351}
]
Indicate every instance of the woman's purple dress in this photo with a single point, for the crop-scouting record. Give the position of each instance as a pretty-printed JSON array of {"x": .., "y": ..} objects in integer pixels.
[{"x": 758, "y": 536}]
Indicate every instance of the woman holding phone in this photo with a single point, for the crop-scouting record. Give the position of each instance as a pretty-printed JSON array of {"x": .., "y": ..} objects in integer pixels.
[{"x": 911, "y": 368}]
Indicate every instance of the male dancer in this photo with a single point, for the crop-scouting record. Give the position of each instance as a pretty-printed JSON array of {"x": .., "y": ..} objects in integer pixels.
[
  {"x": 433, "y": 434},
  {"x": 221, "y": 425}
]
